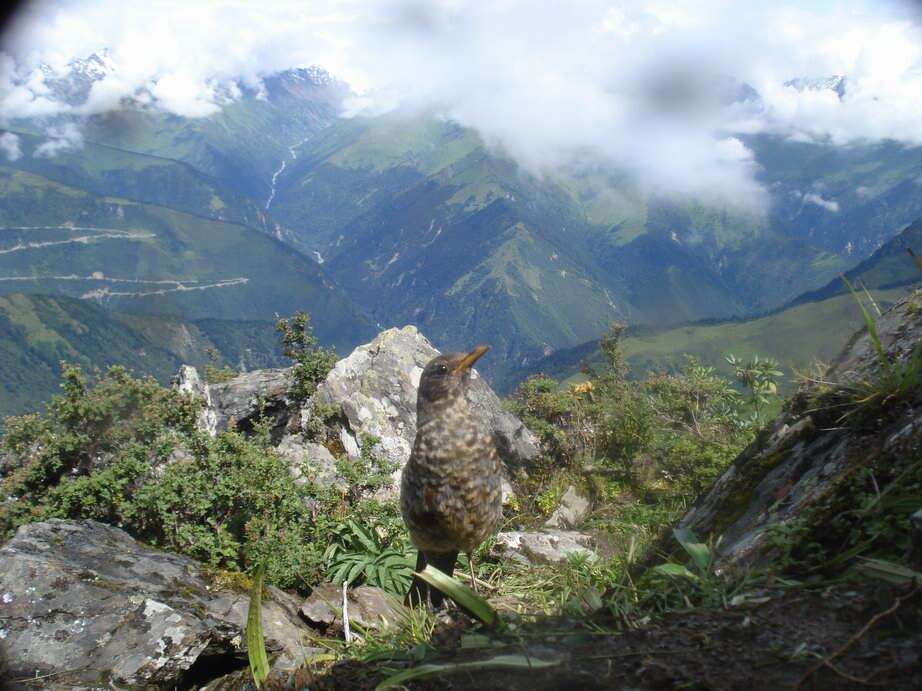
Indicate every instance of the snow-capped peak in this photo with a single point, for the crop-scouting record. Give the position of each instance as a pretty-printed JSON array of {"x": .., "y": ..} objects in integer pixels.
[
  {"x": 836, "y": 83},
  {"x": 314, "y": 74},
  {"x": 94, "y": 67}
]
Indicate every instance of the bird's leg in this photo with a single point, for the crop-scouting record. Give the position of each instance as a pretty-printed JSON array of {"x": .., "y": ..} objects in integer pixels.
[{"x": 470, "y": 564}]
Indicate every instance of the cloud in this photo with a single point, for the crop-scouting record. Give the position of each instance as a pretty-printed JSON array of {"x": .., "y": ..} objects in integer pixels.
[
  {"x": 653, "y": 88},
  {"x": 828, "y": 204},
  {"x": 64, "y": 138},
  {"x": 9, "y": 146}
]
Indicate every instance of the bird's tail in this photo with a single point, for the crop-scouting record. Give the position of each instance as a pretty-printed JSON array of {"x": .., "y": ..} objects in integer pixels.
[{"x": 420, "y": 593}]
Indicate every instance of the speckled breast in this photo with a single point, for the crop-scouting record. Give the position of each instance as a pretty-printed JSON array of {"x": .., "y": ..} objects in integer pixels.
[{"x": 450, "y": 490}]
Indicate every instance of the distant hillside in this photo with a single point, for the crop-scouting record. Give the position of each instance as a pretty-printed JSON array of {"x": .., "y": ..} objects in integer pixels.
[
  {"x": 108, "y": 171},
  {"x": 37, "y": 332},
  {"x": 242, "y": 145},
  {"x": 813, "y": 327},
  {"x": 415, "y": 219},
  {"x": 149, "y": 259},
  {"x": 422, "y": 222}
]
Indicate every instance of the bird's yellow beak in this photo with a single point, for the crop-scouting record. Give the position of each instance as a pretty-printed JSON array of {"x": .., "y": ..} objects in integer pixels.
[{"x": 468, "y": 360}]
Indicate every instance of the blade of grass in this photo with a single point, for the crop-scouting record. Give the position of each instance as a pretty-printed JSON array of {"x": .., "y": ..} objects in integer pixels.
[
  {"x": 463, "y": 596},
  {"x": 498, "y": 662},
  {"x": 256, "y": 643},
  {"x": 671, "y": 569},
  {"x": 871, "y": 326},
  {"x": 696, "y": 549},
  {"x": 888, "y": 571}
]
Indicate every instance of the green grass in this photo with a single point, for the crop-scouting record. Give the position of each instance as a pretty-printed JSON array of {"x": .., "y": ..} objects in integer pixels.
[
  {"x": 109, "y": 171},
  {"x": 175, "y": 246},
  {"x": 796, "y": 337}
]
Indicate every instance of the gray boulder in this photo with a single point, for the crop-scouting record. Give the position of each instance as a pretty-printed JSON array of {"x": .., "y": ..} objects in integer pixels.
[
  {"x": 369, "y": 607},
  {"x": 191, "y": 383},
  {"x": 372, "y": 393},
  {"x": 548, "y": 546},
  {"x": 237, "y": 403},
  {"x": 573, "y": 510},
  {"x": 375, "y": 388},
  {"x": 85, "y": 604},
  {"x": 310, "y": 462}
]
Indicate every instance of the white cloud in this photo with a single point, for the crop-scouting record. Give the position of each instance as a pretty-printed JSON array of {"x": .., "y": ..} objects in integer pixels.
[
  {"x": 64, "y": 138},
  {"x": 828, "y": 204},
  {"x": 9, "y": 145},
  {"x": 553, "y": 84}
]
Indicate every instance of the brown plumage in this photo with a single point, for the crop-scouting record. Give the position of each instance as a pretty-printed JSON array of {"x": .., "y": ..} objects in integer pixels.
[{"x": 450, "y": 491}]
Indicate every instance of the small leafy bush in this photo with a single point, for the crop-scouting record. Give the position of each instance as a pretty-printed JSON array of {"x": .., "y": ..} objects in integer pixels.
[
  {"x": 672, "y": 433},
  {"x": 127, "y": 451},
  {"x": 312, "y": 362},
  {"x": 372, "y": 553}
]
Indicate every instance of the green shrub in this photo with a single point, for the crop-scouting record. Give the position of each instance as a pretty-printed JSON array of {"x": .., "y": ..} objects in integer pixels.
[
  {"x": 557, "y": 416},
  {"x": 671, "y": 433},
  {"x": 371, "y": 549},
  {"x": 127, "y": 451},
  {"x": 312, "y": 363}
]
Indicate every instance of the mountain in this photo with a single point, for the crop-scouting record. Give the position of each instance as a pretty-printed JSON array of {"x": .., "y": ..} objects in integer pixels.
[
  {"x": 150, "y": 259},
  {"x": 836, "y": 83},
  {"x": 419, "y": 221},
  {"x": 423, "y": 223},
  {"x": 73, "y": 85},
  {"x": 109, "y": 171},
  {"x": 37, "y": 332},
  {"x": 813, "y": 327},
  {"x": 245, "y": 142},
  {"x": 241, "y": 145}
]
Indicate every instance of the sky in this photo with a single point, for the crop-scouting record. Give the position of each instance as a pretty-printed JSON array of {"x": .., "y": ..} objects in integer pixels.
[{"x": 636, "y": 86}]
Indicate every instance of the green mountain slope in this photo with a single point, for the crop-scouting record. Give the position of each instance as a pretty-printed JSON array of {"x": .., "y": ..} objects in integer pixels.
[
  {"x": 813, "y": 327},
  {"x": 149, "y": 259},
  {"x": 422, "y": 223},
  {"x": 243, "y": 144},
  {"x": 37, "y": 332},
  {"x": 108, "y": 171}
]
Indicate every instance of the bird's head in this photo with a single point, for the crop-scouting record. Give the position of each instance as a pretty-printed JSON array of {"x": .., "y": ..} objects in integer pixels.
[{"x": 446, "y": 376}]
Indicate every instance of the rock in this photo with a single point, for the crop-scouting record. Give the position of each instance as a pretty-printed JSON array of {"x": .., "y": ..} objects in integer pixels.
[
  {"x": 375, "y": 387},
  {"x": 372, "y": 391},
  {"x": 802, "y": 460},
  {"x": 573, "y": 510},
  {"x": 236, "y": 404},
  {"x": 239, "y": 402},
  {"x": 189, "y": 382},
  {"x": 369, "y": 607},
  {"x": 84, "y": 602},
  {"x": 548, "y": 546},
  {"x": 310, "y": 462}
]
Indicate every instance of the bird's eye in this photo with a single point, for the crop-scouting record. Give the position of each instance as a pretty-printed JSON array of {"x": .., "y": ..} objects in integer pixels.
[{"x": 443, "y": 368}]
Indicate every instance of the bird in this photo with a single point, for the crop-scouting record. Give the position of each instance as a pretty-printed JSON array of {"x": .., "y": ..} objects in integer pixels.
[{"x": 450, "y": 489}]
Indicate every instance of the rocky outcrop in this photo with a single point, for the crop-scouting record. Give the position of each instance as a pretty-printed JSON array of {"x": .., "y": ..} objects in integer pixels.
[
  {"x": 85, "y": 604},
  {"x": 547, "y": 546},
  {"x": 310, "y": 462},
  {"x": 369, "y": 607},
  {"x": 809, "y": 448},
  {"x": 375, "y": 388},
  {"x": 572, "y": 511},
  {"x": 372, "y": 393},
  {"x": 237, "y": 403}
]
